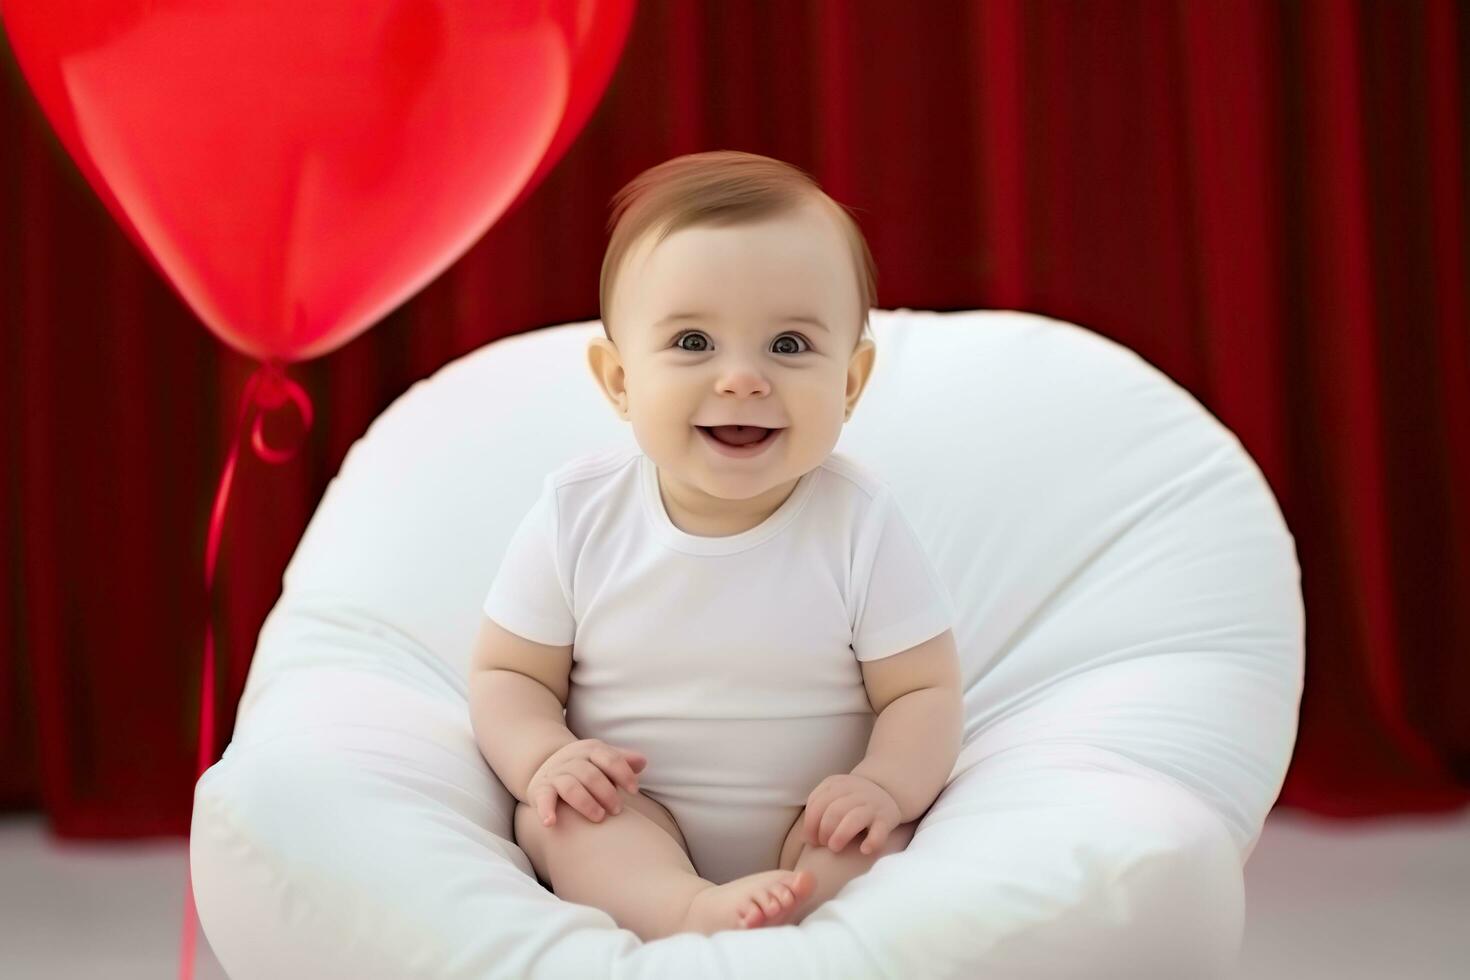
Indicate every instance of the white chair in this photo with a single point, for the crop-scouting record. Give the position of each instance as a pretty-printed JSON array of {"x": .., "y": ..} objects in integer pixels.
[{"x": 1131, "y": 631}]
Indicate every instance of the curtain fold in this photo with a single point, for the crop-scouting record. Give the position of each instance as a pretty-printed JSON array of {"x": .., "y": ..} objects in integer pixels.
[{"x": 1264, "y": 200}]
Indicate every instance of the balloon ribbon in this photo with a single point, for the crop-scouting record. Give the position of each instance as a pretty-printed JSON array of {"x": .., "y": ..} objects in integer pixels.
[{"x": 267, "y": 389}]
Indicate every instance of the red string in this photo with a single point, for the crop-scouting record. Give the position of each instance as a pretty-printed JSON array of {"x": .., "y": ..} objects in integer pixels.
[{"x": 267, "y": 390}]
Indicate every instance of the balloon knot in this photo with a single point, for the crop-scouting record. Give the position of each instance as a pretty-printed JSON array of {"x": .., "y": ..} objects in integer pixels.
[{"x": 272, "y": 390}]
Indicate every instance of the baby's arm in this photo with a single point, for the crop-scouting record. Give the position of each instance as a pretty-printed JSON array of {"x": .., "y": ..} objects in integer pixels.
[{"x": 916, "y": 739}]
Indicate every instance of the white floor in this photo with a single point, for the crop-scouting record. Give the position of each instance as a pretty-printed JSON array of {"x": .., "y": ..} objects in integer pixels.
[
  {"x": 1324, "y": 899},
  {"x": 1358, "y": 900}
]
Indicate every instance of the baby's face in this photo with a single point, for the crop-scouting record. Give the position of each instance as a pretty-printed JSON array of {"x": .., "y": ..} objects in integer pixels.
[{"x": 742, "y": 357}]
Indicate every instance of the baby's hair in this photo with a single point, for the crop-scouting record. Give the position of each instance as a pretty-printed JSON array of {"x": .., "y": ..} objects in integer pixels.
[{"x": 721, "y": 187}]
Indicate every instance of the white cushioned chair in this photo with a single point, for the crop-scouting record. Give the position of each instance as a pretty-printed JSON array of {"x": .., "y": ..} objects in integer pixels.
[{"x": 1130, "y": 625}]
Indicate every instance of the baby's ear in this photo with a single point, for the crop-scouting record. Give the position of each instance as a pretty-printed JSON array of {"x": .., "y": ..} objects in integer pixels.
[{"x": 607, "y": 370}]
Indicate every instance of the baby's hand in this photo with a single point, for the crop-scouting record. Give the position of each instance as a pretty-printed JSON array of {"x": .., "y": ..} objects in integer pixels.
[
  {"x": 842, "y": 805},
  {"x": 583, "y": 774}
]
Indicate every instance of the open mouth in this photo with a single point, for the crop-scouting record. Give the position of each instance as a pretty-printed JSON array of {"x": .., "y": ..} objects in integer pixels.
[{"x": 739, "y": 449}]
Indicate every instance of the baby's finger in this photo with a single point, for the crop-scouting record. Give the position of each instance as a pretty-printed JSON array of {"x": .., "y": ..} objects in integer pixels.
[
  {"x": 811, "y": 823},
  {"x": 601, "y": 788},
  {"x": 545, "y": 803},
  {"x": 857, "y": 818},
  {"x": 616, "y": 766},
  {"x": 578, "y": 797},
  {"x": 831, "y": 817},
  {"x": 877, "y": 834}
]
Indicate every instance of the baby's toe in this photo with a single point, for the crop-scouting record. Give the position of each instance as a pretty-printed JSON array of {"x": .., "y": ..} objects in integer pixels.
[{"x": 802, "y": 883}]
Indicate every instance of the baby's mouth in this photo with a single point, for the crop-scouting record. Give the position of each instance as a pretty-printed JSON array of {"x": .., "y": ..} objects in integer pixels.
[{"x": 737, "y": 435}]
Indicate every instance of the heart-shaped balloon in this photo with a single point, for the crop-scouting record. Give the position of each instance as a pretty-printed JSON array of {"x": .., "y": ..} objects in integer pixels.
[{"x": 298, "y": 169}]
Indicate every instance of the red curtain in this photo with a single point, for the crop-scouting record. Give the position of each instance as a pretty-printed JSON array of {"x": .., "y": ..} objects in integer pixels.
[{"x": 1265, "y": 200}]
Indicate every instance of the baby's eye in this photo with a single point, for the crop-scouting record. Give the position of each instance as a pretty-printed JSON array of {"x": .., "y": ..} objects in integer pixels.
[{"x": 701, "y": 350}]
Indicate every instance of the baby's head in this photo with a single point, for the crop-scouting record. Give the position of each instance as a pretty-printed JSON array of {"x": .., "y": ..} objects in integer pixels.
[{"x": 734, "y": 292}]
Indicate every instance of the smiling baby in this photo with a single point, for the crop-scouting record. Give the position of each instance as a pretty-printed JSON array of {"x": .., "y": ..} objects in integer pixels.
[{"x": 753, "y": 652}]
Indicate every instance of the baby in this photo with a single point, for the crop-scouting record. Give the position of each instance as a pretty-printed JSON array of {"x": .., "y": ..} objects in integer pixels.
[{"x": 761, "y": 640}]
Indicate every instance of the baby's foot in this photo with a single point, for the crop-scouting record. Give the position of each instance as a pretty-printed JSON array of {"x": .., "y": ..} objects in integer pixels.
[{"x": 766, "y": 898}]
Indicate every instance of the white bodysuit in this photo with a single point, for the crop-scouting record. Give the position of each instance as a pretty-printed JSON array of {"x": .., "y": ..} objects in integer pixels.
[{"x": 730, "y": 662}]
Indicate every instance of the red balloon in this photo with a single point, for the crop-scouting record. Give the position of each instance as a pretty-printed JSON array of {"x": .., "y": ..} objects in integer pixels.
[
  {"x": 297, "y": 170},
  {"x": 597, "y": 43}
]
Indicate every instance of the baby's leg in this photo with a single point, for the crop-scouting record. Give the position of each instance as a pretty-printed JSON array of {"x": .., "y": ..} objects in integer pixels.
[
  {"x": 624, "y": 864},
  {"x": 630, "y": 865},
  {"x": 834, "y": 869}
]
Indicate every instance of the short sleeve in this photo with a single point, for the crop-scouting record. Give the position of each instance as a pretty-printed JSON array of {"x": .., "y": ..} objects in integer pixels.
[
  {"x": 527, "y": 596},
  {"x": 905, "y": 602}
]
